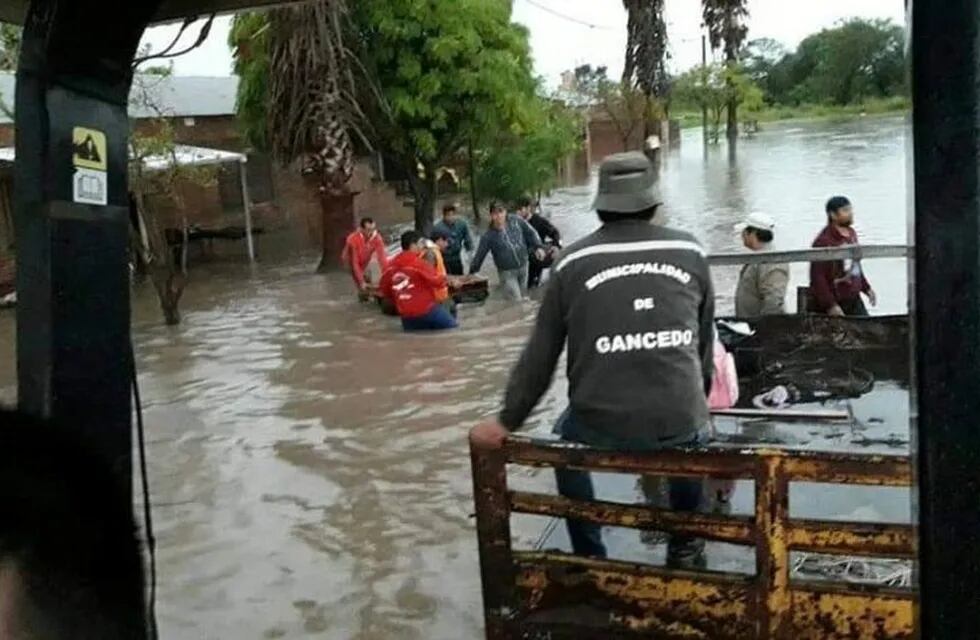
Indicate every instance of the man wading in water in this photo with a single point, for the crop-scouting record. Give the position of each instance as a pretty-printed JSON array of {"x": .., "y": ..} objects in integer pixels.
[
  {"x": 635, "y": 302},
  {"x": 510, "y": 240},
  {"x": 361, "y": 245}
]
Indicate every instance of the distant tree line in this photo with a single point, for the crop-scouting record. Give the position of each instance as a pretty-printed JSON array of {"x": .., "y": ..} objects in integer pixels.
[{"x": 857, "y": 60}]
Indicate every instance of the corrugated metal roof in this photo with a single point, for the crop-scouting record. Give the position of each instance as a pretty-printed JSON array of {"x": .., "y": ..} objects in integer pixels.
[
  {"x": 176, "y": 96},
  {"x": 14, "y": 10}
]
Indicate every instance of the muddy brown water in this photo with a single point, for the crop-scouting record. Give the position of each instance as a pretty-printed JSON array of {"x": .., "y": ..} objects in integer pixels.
[{"x": 308, "y": 460}]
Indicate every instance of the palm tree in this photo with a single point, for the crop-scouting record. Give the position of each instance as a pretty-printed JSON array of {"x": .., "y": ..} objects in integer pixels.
[
  {"x": 646, "y": 48},
  {"x": 725, "y": 21},
  {"x": 311, "y": 108}
]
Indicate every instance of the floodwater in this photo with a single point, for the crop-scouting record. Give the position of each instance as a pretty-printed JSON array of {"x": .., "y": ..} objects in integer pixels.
[{"x": 308, "y": 461}]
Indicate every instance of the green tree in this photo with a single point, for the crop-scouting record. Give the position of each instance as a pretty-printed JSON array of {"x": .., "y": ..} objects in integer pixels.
[
  {"x": 155, "y": 141},
  {"x": 296, "y": 97},
  {"x": 859, "y": 59},
  {"x": 249, "y": 40},
  {"x": 856, "y": 60},
  {"x": 514, "y": 163},
  {"x": 759, "y": 59},
  {"x": 437, "y": 74},
  {"x": 715, "y": 87},
  {"x": 725, "y": 21},
  {"x": 645, "y": 66}
]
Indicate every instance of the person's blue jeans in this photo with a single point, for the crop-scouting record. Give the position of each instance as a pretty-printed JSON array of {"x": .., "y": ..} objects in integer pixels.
[
  {"x": 685, "y": 495},
  {"x": 436, "y": 319}
]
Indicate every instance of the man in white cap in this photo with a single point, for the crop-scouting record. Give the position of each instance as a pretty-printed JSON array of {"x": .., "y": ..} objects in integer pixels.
[
  {"x": 635, "y": 304},
  {"x": 761, "y": 289}
]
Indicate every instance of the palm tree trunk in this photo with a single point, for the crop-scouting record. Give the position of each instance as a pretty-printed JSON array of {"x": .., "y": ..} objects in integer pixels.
[
  {"x": 732, "y": 122},
  {"x": 731, "y": 58},
  {"x": 424, "y": 190},
  {"x": 337, "y": 216}
]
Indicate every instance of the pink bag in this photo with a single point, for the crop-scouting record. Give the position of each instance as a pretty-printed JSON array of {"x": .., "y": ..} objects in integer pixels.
[
  {"x": 724, "y": 384},
  {"x": 724, "y": 395}
]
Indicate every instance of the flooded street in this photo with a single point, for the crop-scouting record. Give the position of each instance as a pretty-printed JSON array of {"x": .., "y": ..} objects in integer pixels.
[{"x": 308, "y": 460}]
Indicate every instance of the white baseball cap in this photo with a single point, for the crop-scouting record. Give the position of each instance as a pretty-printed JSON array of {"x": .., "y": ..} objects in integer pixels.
[{"x": 756, "y": 220}]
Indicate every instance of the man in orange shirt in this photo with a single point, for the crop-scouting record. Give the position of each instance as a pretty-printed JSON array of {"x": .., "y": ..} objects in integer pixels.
[
  {"x": 361, "y": 245},
  {"x": 435, "y": 255}
]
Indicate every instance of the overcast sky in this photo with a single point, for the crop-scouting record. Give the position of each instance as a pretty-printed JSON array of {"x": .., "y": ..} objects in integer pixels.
[{"x": 564, "y": 41}]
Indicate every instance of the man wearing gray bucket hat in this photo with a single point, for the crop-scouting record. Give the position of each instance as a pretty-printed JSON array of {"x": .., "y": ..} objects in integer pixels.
[{"x": 635, "y": 302}]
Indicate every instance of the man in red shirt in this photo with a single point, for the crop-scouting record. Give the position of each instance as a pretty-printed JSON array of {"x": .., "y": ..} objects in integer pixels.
[
  {"x": 413, "y": 285},
  {"x": 361, "y": 245},
  {"x": 836, "y": 286}
]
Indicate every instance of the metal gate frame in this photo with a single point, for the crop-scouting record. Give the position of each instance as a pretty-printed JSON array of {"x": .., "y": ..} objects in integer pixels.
[{"x": 557, "y": 595}]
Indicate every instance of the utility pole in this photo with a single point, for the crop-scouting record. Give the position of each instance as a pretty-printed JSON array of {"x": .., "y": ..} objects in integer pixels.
[{"x": 704, "y": 75}]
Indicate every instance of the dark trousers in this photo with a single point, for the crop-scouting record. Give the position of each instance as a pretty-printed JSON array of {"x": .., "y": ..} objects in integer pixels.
[
  {"x": 454, "y": 266},
  {"x": 685, "y": 495},
  {"x": 535, "y": 268},
  {"x": 853, "y": 307},
  {"x": 437, "y": 319}
]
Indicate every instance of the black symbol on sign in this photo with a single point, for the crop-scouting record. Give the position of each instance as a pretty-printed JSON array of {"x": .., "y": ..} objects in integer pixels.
[{"x": 88, "y": 150}]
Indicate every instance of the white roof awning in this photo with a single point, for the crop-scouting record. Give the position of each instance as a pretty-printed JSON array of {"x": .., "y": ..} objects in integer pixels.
[
  {"x": 185, "y": 155},
  {"x": 193, "y": 156}
]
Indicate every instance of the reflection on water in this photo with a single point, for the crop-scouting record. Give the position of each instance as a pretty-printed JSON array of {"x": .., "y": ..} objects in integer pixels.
[{"x": 308, "y": 460}]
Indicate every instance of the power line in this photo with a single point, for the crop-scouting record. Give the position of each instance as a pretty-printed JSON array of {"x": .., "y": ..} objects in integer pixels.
[{"x": 565, "y": 16}]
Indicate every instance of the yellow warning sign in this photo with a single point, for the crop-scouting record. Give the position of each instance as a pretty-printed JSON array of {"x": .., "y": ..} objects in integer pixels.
[{"x": 88, "y": 149}]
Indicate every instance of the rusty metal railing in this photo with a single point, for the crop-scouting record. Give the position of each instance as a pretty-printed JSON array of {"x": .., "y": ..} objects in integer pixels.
[{"x": 533, "y": 594}]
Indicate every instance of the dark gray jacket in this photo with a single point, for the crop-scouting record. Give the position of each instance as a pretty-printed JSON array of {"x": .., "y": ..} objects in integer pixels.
[
  {"x": 636, "y": 304},
  {"x": 510, "y": 247},
  {"x": 459, "y": 237}
]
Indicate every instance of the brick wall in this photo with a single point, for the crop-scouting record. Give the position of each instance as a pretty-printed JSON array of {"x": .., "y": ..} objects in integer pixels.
[
  {"x": 283, "y": 200},
  {"x": 606, "y": 140},
  {"x": 216, "y": 132},
  {"x": 299, "y": 207}
]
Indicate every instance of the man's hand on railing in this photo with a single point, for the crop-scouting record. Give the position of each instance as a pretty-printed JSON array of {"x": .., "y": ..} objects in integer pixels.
[{"x": 488, "y": 435}]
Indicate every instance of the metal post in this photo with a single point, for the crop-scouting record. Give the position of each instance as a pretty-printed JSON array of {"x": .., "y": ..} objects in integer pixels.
[
  {"x": 704, "y": 68},
  {"x": 946, "y": 302},
  {"x": 494, "y": 538},
  {"x": 247, "y": 206},
  {"x": 72, "y": 219}
]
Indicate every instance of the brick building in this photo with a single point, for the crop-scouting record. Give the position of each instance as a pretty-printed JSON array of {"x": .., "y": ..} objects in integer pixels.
[{"x": 201, "y": 112}]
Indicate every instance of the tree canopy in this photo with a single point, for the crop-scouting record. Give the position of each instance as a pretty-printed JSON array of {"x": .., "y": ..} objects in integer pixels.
[
  {"x": 645, "y": 67},
  {"x": 446, "y": 74},
  {"x": 714, "y": 88},
  {"x": 856, "y": 60},
  {"x": 250, "y": 41},
  {"x": 430, "y": 78},
  {"x": 442, "y": 70},
  {"x": 511, "y": 165}
]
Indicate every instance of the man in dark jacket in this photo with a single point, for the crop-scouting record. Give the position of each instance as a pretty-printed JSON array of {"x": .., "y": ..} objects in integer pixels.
[
  {"x": 635, "y": 302},
  {"x": 549, "y": 236},
  {"x": 836, "y": 286},
  {"x": 459, "y": 238},
  {"x": 511, "y": 241}
]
